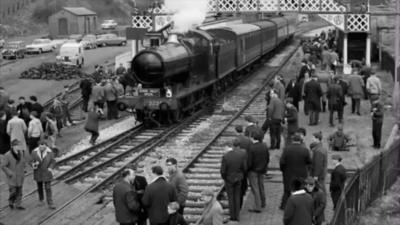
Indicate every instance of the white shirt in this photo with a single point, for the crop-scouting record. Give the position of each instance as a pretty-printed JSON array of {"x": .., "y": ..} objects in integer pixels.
[
  {"x": 374, "y": 85},
  {"x": 35, "y": 128}
]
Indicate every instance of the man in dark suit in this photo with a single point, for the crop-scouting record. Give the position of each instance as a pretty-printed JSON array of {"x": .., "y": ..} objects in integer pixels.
[
  {"x": 258, "y": 165},
  {"x": 338, "y": 179},
  {"x": 139, "y": 185},
  {"x": 125, "y": 200},
  {"x": 294, "y": 163},
  {"x": 335, "y": 98},
  {"x": 299, "y": 207},
  {"x": 313, "y": 94},
  {"x": 233, "y": 169},
  {"x": 157, "y": 196}
]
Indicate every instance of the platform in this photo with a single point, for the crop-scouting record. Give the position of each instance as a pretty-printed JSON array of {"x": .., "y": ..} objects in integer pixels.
[{"x": 271, "y": 214}]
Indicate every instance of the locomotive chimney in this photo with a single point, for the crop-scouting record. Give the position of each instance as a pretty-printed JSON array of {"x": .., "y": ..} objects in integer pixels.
[{"x": 173, "y": 37}]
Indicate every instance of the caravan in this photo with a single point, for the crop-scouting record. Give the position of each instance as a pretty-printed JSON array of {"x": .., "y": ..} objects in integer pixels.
[{"x": 72, "y": 53}]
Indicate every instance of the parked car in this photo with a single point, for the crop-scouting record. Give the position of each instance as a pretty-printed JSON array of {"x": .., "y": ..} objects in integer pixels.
[
  {"x": 39, "y": 46},
  {"x": 110, "y": 39},
  {"x": 76, "y": 37},
  {"x": 89, "y": 41},
  {"x": 2, "y": 43},
  {"x": 109, "y": 24},
  {"x": 14, "y": 50},
  {"x": 71, "y": 53}
]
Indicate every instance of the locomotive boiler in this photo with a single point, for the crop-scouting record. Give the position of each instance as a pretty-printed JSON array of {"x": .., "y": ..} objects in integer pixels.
[{"x": 180, "y": 76}]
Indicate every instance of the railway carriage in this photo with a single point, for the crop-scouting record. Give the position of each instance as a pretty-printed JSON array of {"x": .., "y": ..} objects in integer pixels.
[{"x": 180, "y": 76}]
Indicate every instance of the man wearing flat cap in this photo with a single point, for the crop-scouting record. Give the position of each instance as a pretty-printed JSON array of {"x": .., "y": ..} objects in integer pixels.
[
  {"x": 294, "y": 163},
  {"x": 233, "y": 170},
  {"x": 14, "y": 168},
  {"x": 338, "y": 179}
]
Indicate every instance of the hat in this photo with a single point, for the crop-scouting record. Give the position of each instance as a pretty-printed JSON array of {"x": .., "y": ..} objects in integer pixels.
[
  {"x": 14, "y": 142},
  {"x": 304, "y": 61},
  {"x": 318, "y": 135},
  {"x": 309, "y": 180},
  {"x": 250, "y": 119},
  {"x": 337, "y": 157}
]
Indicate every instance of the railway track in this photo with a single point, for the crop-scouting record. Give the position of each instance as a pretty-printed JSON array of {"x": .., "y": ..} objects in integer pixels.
[
  {"x": 203, "y": 171},
  {"x": 202, "y": 159}
]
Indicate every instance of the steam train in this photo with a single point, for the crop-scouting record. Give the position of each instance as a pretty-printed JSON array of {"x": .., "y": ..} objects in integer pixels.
[{"x": 180, "y": 76}]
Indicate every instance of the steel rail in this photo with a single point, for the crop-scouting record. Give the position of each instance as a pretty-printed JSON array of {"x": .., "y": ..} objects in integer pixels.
[
  {"x": 106, "y": 182},
  {"x": 234, "y": 118}
]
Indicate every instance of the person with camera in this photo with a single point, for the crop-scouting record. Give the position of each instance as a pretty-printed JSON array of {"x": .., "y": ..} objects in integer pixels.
[{"x": 43, "y": 162}]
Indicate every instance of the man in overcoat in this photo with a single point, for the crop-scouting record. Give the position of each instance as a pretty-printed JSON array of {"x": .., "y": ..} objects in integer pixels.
[
  {"x": 338, "y": 179},
  {"x": 293, "y": 163},
  {"x": 157, "y": 196},
  {"x": 14, "y": 169},
  {"x": 299, "y": 207},
  {"x": 335, "y": 97},
  {"x": 125, "y": 200},
  {"x": 291, "y": 119},
  {"x": 356, "y": 91},
  {"x": 178, "y": 180},
  {"x": 319, "y": 167},
  {"x": 43, "y": 163},
  {"x": 312, "y": 96},
  {"x": 233, "y": 169},
  {"x": 16, "y": 129},
  {"x": 244, "y": 143}
]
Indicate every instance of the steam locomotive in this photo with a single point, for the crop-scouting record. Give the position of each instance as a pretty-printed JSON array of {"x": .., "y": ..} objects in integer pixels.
[{"x": 180, "y": 76}]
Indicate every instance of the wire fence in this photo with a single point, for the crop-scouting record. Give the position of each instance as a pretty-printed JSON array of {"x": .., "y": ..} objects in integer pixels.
[{"x": 368, "y": 184}]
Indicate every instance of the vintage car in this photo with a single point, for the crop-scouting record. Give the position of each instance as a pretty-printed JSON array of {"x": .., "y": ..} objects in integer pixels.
[
  {"x": 39, "y": 46},
  {"x": 109, "y": 24},
  {"x": 110, "y": 39},
  {"x": 14, "y": 50},
  {"x": 89, "y": 41}
]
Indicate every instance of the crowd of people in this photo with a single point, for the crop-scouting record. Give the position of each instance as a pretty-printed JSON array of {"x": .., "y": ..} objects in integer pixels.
[{"x": 304, "y": 168}]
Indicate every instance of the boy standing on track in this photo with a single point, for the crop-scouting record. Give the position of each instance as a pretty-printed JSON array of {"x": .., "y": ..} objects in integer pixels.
[{"x": 43, "y": 162}]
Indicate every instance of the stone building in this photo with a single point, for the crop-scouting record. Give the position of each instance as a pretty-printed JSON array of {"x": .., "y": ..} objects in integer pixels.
[{"x": 72, "y": 20}]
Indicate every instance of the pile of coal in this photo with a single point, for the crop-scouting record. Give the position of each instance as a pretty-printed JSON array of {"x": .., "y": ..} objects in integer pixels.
[{"x": 54, "y": 71}]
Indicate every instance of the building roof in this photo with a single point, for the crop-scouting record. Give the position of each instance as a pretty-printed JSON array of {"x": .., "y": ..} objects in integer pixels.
[{"x": 79, "y": 11}]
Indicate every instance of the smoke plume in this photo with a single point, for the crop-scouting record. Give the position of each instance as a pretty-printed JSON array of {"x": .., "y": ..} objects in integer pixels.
[{"x": 187, "y": 13}]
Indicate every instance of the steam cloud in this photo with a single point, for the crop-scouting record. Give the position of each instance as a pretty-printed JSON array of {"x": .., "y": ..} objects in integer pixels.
[{"x": 188, "y": 13}]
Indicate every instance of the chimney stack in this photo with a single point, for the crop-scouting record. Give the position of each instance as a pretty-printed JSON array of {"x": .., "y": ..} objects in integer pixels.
[{"x": 173, "y": 38}]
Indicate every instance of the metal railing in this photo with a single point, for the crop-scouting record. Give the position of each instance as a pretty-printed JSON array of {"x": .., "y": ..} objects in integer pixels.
[{"x": 368, "y": 184}]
